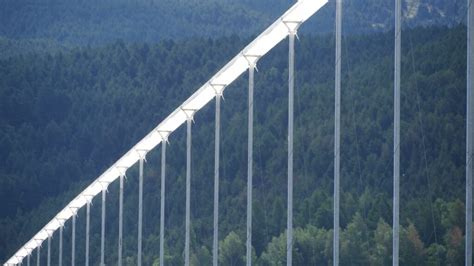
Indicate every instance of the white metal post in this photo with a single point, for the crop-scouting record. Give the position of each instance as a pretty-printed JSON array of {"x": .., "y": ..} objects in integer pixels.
[
  {"x": 337, "y": 134},
  {"x": 38, "y": 250},
  {"x": 250, "y": 165},
  {"x": 215, "y": 244},
  {"x": 60, "y": 245},
  {"x": 188, "y": 192},
  {"x": 396, "y": 136},
  {"x": 49, "y": 252},
  {"x": 73, "y": 240},
  {"x": 469, "y": 131},
  {"x": 102, "y": 231},
  {"x": 291, "y": 96},
  {"x": 120, "y": 239},
  {"x": 162, "y": 206},
  {"x": 140, "y": 212},
  {"x": 88, "y": 213}
]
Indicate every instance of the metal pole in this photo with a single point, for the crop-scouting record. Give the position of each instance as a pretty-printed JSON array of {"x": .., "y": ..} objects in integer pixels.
[
  {"x": 88, "y": 213},
  {"x": 73, "y": 241},
  {"x": 215, "y": 246},
  {"x": 250, "y": 166},
  {"x": 28, "y": 260},
  {"x": 162, "y": 210},
  {"x": 396, "y": 136},
  {"x": 140, "y": 213},
  {"x": 188, "y": 193},
  {"x": 469, "y": 131},
  {"x": 61, "y": 245},
  {"x": 102, "y": 235},
  {"x": 291, "y": 93},
  {"x": 337, "y": 134},
  {"x": 49, "y": 252},
  {"x": 120, "y": 239},
  {"x": 38, "y": 256}
]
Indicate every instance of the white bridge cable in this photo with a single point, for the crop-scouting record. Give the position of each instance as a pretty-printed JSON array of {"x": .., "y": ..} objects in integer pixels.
[
  {"x": 73, "y": 241},
  {"x": 88, "y": 214},
  {"x": 188, "y": 191},
  {"x": 248, "y": 245},
  {"x": 60, "y": 259},
  {"x": 291, "y": 97},
  {"x": 215, "y": 242},
  {"x": 469, "y": 131},
  {"x": 140, "y": 207},
  {"x": 102, "y": 231},
  {"x": 337, "y": 134},
  {"x": 38, "y": 256},
  {"x": 48, "y": 261},
  {"x": 120, "y": 236},
  {"x": 274, "y": 34},
  {"x": 162, "y": 204},
  {"x": 396, "y": 138}
]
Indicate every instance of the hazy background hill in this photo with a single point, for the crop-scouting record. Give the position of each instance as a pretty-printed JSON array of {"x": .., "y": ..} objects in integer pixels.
[{"x": 95, "y": 22}]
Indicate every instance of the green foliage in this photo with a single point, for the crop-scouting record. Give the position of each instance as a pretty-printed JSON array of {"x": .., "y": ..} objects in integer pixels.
[
  {"x": 87, "y": 22},
  {"x": 232, "y": 250},
  {"x": 65, "y": 117}
]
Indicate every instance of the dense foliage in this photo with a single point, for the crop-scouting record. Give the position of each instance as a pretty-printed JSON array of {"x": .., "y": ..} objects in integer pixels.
[
  {"x": 96, "y": 22},
  {"x": 64, "y": 118}
]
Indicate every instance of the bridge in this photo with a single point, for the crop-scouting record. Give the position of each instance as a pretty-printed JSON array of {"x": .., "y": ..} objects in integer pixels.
[{"x": 246, "y": 60}]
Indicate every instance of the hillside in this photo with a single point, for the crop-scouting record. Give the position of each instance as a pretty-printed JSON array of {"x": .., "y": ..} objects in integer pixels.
[
  {"x": 89, "y": 22},
  {"x": 64, "y": 118}
]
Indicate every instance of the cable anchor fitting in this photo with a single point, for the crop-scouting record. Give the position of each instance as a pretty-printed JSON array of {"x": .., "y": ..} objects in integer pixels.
[
  {"x": 164, "y": 135},
  {"x": 252, "y": 60},
  {"x": 293, "y": 27},
  {"x": 189, "y": 113}
]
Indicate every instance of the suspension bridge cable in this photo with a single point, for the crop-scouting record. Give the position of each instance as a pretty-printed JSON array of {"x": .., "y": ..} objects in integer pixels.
[
  {"x": 73, "y": 241},
  {"x": 337, "y": 136},
  {"x": 88, "y": 211},
  {"x": 291, "y": 88},
  {"x": 162, "y": 204},
  {"x": 350, "y": 87},
  {"x": 48, "y": 261},
  {"x": 250, "y": 165},
  {"x": 120, "y": 236},
  {"x": 469, "y": 132},
  {"x": 38, "y": 250},
  {"x": 60, "y": 260},
  {"x": 423, "y": 139},
  {"x": 140, "y": 207},
  {"x": 102, "y": 231},
  {"x": 188, "y": 192},
  {"x": 215, "y": 243},
  {"x": 396, "y": 137}
]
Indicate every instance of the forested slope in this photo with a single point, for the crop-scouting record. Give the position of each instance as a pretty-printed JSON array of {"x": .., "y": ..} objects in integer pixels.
[
  {"x": 65, "y": 118},
  {"x": 87, "y": 22}
]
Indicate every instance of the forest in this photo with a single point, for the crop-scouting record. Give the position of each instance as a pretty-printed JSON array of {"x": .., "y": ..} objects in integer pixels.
[
  {"x": 88, "y": 22},
  {"x": 67, "y": 116}
]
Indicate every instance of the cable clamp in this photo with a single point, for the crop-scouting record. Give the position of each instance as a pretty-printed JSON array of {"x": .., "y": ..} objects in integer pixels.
[
  {"x": 189, "y": 113},
  {"x": 252, "y": 60},
  {"x": 164, "y": 134}
]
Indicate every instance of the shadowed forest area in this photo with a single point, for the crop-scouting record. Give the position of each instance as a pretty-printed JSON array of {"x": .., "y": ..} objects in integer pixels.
[{"x": 67, "y": 115}]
